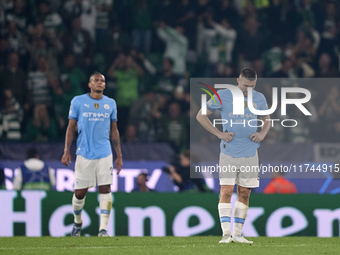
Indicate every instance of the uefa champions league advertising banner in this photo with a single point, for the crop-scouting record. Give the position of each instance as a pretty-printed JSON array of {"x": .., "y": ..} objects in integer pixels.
[
  {"x": 41, "y": 213},
  {"x": 160, "y": 181}
]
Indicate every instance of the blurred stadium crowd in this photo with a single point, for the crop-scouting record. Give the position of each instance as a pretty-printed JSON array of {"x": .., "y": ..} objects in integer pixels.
[{"x": 148, "y": 50}]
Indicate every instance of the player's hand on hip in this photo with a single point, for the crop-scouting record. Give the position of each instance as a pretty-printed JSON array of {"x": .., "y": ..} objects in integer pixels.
[
  {"x": 227, "y": 136},
  {"x": 257, "y": 137},
  {"x": 66, "y": 159},
  {"x": 119, "y": 164}
]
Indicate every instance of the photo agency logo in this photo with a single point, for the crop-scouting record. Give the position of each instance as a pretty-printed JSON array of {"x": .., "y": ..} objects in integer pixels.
[{"x": 239, "y": 104}]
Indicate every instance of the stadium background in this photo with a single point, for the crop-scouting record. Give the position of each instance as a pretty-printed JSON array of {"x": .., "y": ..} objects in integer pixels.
[{"x": 48, "y": 49}]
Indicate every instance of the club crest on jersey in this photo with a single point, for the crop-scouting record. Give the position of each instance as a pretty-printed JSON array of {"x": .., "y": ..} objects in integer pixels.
[
  {"x": 106, "y": 106},
  {"x": 96, "y": 105}
]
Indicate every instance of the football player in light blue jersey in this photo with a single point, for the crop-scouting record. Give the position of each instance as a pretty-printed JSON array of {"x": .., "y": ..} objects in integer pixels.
[
  {"x": 96, "y": 117},
  {"x": 239, "y": 143}
]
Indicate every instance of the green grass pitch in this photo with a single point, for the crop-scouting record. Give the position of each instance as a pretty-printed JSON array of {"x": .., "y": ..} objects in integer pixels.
[{"x": 167, "y": 245}]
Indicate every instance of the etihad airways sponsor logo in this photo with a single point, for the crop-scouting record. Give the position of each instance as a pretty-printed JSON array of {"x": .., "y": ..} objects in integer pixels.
[{"x": 96, "y": 115}]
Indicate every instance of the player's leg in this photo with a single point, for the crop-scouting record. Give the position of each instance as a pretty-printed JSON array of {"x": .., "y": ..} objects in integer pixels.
[
  {"x": 78, "y": 202},
  {"x": 224, "y": 211},
  {"x": 105, "y": 204},
  {"x": 246, "y": 180},
  {"x": 240, "y": 213},
  {"x": 104, "y": 179},
  {"x": 227, "y": 182},
  {"x": 84, "y": 179}
]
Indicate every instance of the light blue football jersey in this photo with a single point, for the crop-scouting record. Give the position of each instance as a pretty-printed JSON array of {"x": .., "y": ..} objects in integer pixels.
[
  {"x": 241, "y": 145},
  {"x": 94, "y": 118}
]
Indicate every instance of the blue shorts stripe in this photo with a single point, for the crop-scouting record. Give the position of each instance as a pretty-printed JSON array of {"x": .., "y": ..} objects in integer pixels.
[
  {"x": 239, "y": 220},
  {"x": 105, "y": 211},
  {"x": 225, "y": 219},
  {"x": 77, "y": 212}
]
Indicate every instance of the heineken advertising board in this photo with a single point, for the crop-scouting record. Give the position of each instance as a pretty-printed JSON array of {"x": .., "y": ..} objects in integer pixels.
[{"x": 41, "y": 213}]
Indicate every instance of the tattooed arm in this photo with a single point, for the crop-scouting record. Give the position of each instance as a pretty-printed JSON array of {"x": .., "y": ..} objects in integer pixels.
[{"x": 114, "y": 135}]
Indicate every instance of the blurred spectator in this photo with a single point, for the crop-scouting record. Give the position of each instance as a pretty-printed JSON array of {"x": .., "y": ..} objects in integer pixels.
[
  {"x": 36, "y": 33},
  {"x": 131, "y": 135},
  {"x": 329, "y": 29},
  {"x": 310, "y": 12},
  {"x": 258, "y": 66},
  {"x": 104, "y": 10},
  {"x": 290, "y": 21},
  {"x": 251, "y": 43},
  {"x": 85, "y": 9},
  {"x": 78, "y": 41},
  {"x": 329, "y": 112},
  {"x": 142, "y": 179},
  {"x": 34, "y": 174},
  {"x": 51, "y": 20},
  {"x": 18, "y": 15},
  {"x": 326, "y": 68},
  {"x": 74, "y": 82},
  {"x": 142, "y": 25},
  {"x": 4, "y": 8},
  {"x": 183, "y": 98},
  {"x": 174, "y": 125},
  {"x": 42, "y": 128},
  {"x": 165, "y": 80},
  {"x": 159, "y": 109},
  {"x": 248, "y": 10},
  {"x": 300, "y": 69},
  {"x": 126, "y": 72},
  {"x": 224, "y": 71},
  {"x": 39, "y": 82},
  {"x": 115, "y": 41},
  {"x": 218, "y": 41},
  {"x": 73, "y": 78},
  {"x": 285, "y": 70},
  {"x": 227, "y": 10},
  {"x": 273, "y": 57},
  {"x": 274, "y": 20},
  {"x": 72, "y": 9},
  {"x": 15, "y": 38},
  {"x": 176, "y": 46},
  {"x": 14, "y": 78},
  {"x": 186, "y": 17},
  {"x": 164, "y": 11},
  {"x": 280, "y": 185},
  {"x": 11, "y": 116},
  {"x": 304, "y": 49},
  {"x": 179, "y": 173},
  {"x": 50, "y": 51},
  {"x": 4, "y": 53},
  {"x": 141, "y": 117}
]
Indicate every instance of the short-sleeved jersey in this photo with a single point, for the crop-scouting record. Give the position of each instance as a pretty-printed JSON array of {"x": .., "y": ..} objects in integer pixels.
[
  {"x": 94, "y": 117},
  {"x": 241, "y": 145}
]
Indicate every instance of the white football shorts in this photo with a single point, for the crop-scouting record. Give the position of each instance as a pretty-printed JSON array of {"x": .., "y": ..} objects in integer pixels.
[
  {"x": 241, "y": 171},
  {"x": 89, "y": 172}
]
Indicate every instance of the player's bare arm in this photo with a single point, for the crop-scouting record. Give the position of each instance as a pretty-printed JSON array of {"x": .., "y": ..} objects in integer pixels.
[
  {"x": 206, "y": 123},
  {"x": 66, "y": 159},
  {"x": 114, "y": 134},
  {"x": 259, "y": 136}
]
